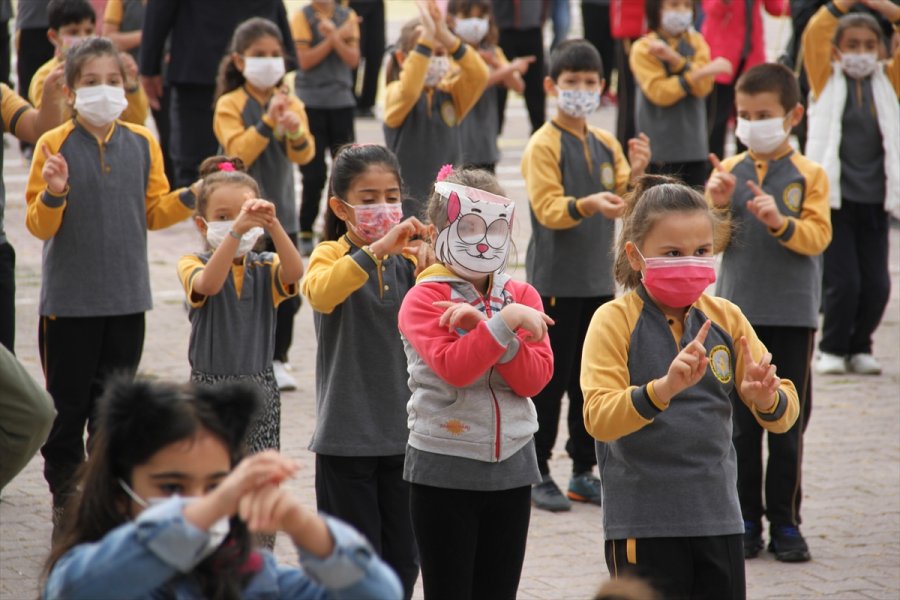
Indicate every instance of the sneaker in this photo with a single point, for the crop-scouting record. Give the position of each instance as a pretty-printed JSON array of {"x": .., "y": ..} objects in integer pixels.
[
  {"x": 787, "y": 544},
  {"x": 864, "y": 364},
  {"x": 585, "y": 488},
  {"x": 753, "y": 541},
  {"x": 831, "y": 364},
  {"x": 284, "y": 379},
  {"x": 547, "y": 496},
  {"x": 306, "y": 244}
]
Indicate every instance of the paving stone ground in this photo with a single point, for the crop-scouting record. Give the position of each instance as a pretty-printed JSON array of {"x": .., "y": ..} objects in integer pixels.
[{"x": 851, "y": 492}]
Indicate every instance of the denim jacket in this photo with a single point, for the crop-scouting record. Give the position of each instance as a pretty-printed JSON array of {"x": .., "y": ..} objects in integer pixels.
[{"x": 153, "y": 555}]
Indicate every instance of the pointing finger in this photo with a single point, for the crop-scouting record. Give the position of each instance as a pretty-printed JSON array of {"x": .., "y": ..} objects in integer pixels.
[
  {"x": 46, "y": 151},
  {"x": 758, "y": 191},
  {"x": 748, "y": 356},
  {"x": 701, "y": 335},
  {"x": 716, "y": 163}
]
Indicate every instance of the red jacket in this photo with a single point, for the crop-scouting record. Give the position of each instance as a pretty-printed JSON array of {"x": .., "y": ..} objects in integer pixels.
[{"x": 725, "y": 30}]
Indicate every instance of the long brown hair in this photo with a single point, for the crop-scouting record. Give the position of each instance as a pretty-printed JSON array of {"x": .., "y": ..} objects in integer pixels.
[
  {"x": 229, "y": 78},
  {"x": 137, "y": 419}
]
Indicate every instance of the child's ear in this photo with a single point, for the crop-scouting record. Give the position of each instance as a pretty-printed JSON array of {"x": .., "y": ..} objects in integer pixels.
[
  {"x": 200, "y": 223},
  {"x": 399, "y": 56},
  {"x": 633, "y": 259},
  {"x": 796, "y": 115},
  {"x": 53, "y": 37},
  {"x": 338, "y": 208},
  {"x": 69, "y": 94},
  {"x": 238, "y": 61},
  {"x": 550, "y": 86},
  {"x": 602, "y": 85},
  {"x": 835, "y": 53}
]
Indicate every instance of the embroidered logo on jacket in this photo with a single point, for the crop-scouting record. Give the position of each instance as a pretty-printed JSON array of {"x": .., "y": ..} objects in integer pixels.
[
  {"x": 607, "y": 176},
  {"x": 720, "y": 363},
  {"x": 793, "y": 195},
  {"x": 448, "y": 113},
  {"x": 455, "y": 426}
]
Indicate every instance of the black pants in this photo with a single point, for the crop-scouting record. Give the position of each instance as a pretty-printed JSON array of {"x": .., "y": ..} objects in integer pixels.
[
  {"x": 572, "y": 316},
  {"x": 719, "y": 107},
  {"x": 284, "y": 317},
  {"x": 5, "y": 57},
  {"x": 163, "y": 126},
  {"x": 371, "y": 48},
  {"x": 34, "y": 50},
  {"x": 332, "y": 128},
  {"x": 595, "y": 18},
  {"x": 472, "y": 544},
  {"x": 8, "y": 296},
  {"x": 857, "y": 281},
  {"x": 692, "y": 173},
  {"x": 625, "y": 127},
  {"x": 369, "y": 493},
  {"x": 527, "y": 42},
  {"x": 791, "y": 349},
  {"x": 79, "y": 354},
  {"x": 191, "y": 126},
  {"x": 699, "y": 568}
]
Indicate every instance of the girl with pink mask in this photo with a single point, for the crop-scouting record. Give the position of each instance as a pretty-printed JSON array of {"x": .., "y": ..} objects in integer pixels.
[
  {"x": 356, "y": 280},
  {"x": 477, "y": 349},
  {"x": 661, "y": 369}
]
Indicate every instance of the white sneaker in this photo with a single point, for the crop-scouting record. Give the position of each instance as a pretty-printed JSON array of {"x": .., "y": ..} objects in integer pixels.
[
  {"x": 284, "y": 380},
  {"x": 831, "y": 364},
  {"x": 864, "y": 364}
]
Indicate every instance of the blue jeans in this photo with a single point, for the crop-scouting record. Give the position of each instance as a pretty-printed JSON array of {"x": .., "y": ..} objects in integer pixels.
[{"x": 562, "y": 20}]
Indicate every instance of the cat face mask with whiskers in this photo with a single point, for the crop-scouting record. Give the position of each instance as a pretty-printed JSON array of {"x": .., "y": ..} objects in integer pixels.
[{"x": 475, "y": 242}]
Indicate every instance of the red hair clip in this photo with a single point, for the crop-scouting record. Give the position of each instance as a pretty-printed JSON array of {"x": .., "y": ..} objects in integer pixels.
[
  {"x": 226, "y": 166},
  {"x": 444, "y": 173}
]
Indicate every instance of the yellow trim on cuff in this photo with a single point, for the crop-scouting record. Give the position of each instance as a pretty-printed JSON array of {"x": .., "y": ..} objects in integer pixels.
[
  {"x": 654, "y": 398},
  {"x": 771, "y": 410},
  {"x": 578, "y": 204},
  {"x": 778, "y": 232},
  {"x": 371, "y": 254},
  {"x": 268, "y": 120},
  {"x": 63, "y": 194}
]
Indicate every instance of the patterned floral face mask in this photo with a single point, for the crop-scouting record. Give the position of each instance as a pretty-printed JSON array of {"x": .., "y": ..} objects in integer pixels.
[
  {"x": 373, "y": 221},
  {"x": 578, "y": 103},
  {"x": 437, "y": 69}
]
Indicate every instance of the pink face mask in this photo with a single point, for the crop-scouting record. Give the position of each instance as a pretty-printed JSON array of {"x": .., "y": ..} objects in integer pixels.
[
  {"x": 678, "y": 281},
  {"x": 373, "y": 221}
]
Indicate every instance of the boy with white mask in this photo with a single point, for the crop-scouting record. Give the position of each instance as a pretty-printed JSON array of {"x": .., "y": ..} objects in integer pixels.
[
  {"x": 576, "y": 175},
  {"x": 771, "y": 269},
  {"x": 96, "y": 185},
  {"x": 854, "y": 132}
]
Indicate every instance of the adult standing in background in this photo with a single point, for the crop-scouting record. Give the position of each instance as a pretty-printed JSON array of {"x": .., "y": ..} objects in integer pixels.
[
  {"x": 5, "y": 16},
  {"x": 371, "y": 48},
  {"x": 199, "y": 37},
  {"x": 561, "y": 15},
  {"x": 598, "y": 31},
  {"x": 33, "y": 48},
  {"x": 520, "y": 23},
  {"x": 626, "y": 25}
]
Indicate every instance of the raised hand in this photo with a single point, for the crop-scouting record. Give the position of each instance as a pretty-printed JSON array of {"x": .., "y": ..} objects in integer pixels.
[
  {"x": 398, "y": 237},
  {"x": 663, "y": 51},
  {"x": 720, "y": 66},
  {"x": 427, "y": 18},
  {"x": 721, "y": 184},
  {"x": 290, "y": 122},
  {"x": 687, "y": 369},
  {"x": 459, "y": 315},
  {"x": 605, "y": 203},
  {"x": 520, "y": 316},
  {"x": 255, "y": 212},
  {"x": 424, "y": 253},
  {"x": 326, "y": 27},
  {"x": 55, "y": 171},
  {"x": 271, "y": 508},
  {"x": 763, "y": 207},
  {"x": 522, "y": 63},
  {"x": 278, "y": 105},
  {"x": 760, "y": 382},
  {"x": 639, "y": 154}
]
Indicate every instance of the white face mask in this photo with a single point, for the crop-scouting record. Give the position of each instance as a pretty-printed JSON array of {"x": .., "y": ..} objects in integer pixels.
[
  {"x": 472, "y": 30},
  {"x": 859, "y": 66},
  {"x": 762, "y": 136},
  {"x": 676, "y": 22},
  {"x": 437, "y": 69},
  {"x": 100, "y": 105},
  {"x": 218, "y": 531},
  {"x": 577, "y": 103},
  {"x": 263, "y": 72},
  {"x": 217, "y": 231}
]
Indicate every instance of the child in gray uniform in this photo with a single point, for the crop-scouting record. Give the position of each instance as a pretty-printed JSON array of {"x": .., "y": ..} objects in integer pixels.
[
  {"x": 357, "y": 279},
  {"x": 234, "y": 292}
]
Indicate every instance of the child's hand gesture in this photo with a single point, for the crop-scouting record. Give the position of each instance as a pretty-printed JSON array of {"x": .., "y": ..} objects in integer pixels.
[
  {"x": 459, "y": 315},
  {"x": 522, "y": 63},
  {"x": 886, "y": 7},
  {"x": 270, "y": 509},
  {"x": 55, "y": 171},
  {"x": 687, "y": 369},
  {"x": 520, "y": 316},
  {"x": 346, "y": 30},
  {"x": 639, "y": 154},
  {"x": 255, "y": 212},
  {"x": 131, "y": 69},
  {"x": 760, "y": 382},
  {"x": 326, "y": 27},
  {"x": 398, "y": 238},
  {"x": 721, "y": 184},
  {"x": 663, "y": 51},
  {"x": 763, "y": 207},
  {"x": 424, "y": 253},
  {"x": 720, "y": 66},
  {"x": 265, "y": 468},
  {"x": 434, "y": 26},
  {"x": 278, "y": 105},
  {"x": 605, "y": 203},
  {"x": 290, "y": 122}
]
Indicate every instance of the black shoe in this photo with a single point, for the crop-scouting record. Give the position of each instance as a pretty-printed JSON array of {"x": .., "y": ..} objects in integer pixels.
[
  {"x": 753, "y": 542},
  {"x": 787, "y": 544}
]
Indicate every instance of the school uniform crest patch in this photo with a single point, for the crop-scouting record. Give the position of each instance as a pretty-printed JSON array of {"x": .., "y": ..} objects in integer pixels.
[
  {"x": 720, "y": 363},
  {"x": 448, "y": 113},
  {"x": 793, "y": 195},
  {"x": 607, "y": 176}
]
